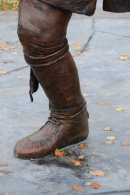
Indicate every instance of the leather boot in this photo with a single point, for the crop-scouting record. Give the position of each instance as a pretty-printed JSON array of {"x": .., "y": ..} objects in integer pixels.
[{"x": 68, "y": 120}]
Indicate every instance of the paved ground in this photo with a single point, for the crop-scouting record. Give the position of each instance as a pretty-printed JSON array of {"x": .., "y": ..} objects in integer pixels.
[{"x": 109, "y": 78}]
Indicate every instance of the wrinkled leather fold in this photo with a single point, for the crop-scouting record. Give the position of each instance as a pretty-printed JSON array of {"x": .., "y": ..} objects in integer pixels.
[
  {"x": 42, "y": 61},
  {"x": 50, "y": 59},
  {"x": 70, "y": 114}
]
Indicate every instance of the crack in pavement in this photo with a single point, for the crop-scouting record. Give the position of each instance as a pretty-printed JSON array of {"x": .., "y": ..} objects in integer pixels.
[
  {"x": 111, "y": 192},
  {"x": 82, "y": 50},
  {"x": 14, "y": 70},
  {"x": 113, "y": 34},
  {"x": 90, "y": 38},
  {"x": 17, "y": 69}
]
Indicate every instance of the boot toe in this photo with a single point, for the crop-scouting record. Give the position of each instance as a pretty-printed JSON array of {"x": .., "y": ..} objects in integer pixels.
[{"x": 21, "y": 149}]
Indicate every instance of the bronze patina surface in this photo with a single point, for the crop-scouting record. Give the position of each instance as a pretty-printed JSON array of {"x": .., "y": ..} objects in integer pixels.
[
  {"x": 42, "y": 28},
  {"x": 88, "y": 7},
  {"x": 117, "y": 6},
  {"x": 42, "y": 32}
]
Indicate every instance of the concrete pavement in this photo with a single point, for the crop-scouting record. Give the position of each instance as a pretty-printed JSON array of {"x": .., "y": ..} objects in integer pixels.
[{"x": 104, "y": 39}]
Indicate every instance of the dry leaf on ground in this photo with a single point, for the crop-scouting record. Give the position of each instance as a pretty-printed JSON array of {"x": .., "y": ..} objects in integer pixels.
[
  {"x": 14, "y": 52},
  {"x": 59, "y": 153},
  {"x": 86, "y": 85},
  {"x": 75, "y": 187},
  {"x": 81, "y": 157},
  {"x": 101, "y": 103},
  {"x": 3, "y": 46},
  {"x": 108, "y": 129},
  {"x": 93, "y": 185},
  {"x": 125, "y": 143},
  {"x": 3, "y": 73},
  {"x": 111, "y": 137},
  {"x": 3, "y": 164},
  {"x": 8, "y": 48},
  {"x": 33, "y": 159},
  {"x": 77, "y": 44},
  {"x": 109, "y": 142},
  {"x": 97, "y": 173},
  {"x": 5, "y": 172},
  {"x": 84, "y": 94},
  {"x": 76, "y": 162},
  {"x": 119, "y": 109},
  {"x": 87, "y": 183},
  {"x": 82, "y": 146},
  {"x": 19, "y": 77},
  {"x": 123, "y": 58},
  {"x": 77, "y": 52}
]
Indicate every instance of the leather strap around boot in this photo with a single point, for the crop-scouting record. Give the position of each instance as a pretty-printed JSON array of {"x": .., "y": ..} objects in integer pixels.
[{"x": 67, "y": 114}]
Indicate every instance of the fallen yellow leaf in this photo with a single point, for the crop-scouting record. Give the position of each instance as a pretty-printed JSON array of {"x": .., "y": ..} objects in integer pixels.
[
  {"x": 7, "y": 47},
  {"x": 119, "y": 109},
  {"x": 77, "y": 52},
  {"x": 87, "y": 183},
  {"x": 75, "y": 187},
  {"x": 76, "y": 162},
  {"x": 33, "y": 159},
  {"x": 14, "y": 53},
  {"x": 109, "y": 142},
  {"x": 2, "y": 46},
  {"x": 93, "y": 185},
  {"x": 108, "y": 129},
  {"x": 19, "y": 77},
  {"x": 5, "y": 172},
  {"x": 3, "y": 73},
  {"x": 84, "y": 94},
  {"x": 77, "y": 44},
  {"x": 97, "y": 173},
  {"x": 59, "y": 153},
  {"x": 82, "y": 146},
  {"x": 101, "y": 103},
  {"x": 125, "y": 143},
  {"x": 123, "y": 58},
  {"x": 110, "y": 137},
  {"x": 81, "y": 157},
  {"x": 86, "y": 85},
  {"x": 3, "y": 164}
]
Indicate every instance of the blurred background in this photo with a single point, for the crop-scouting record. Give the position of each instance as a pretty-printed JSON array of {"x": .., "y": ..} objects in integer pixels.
[{"x": 8, "y": 5}]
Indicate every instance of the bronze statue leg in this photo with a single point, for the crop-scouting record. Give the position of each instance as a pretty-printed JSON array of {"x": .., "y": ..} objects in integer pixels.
[{"x": 42, "y": 32}]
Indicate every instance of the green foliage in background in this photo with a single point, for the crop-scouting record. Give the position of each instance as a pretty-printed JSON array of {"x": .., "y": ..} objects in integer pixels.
[{"x": 7, "y": 5}]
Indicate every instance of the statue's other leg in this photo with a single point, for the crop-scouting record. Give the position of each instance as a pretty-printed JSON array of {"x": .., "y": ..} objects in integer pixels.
[{"x": 42, "y": 32}]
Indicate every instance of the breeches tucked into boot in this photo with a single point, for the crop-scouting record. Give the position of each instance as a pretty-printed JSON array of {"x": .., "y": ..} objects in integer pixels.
[{"x": 42, "y": 32}]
